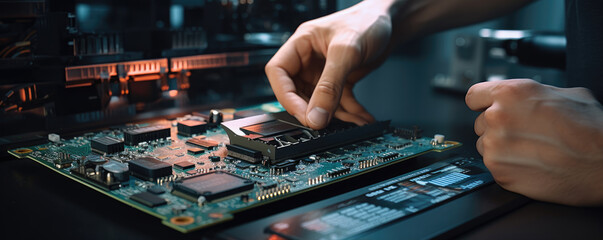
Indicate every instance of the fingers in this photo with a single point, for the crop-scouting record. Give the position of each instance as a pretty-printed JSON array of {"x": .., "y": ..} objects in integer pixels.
[
  {"x": 480, "y": 146},
  {"x": 286, "y": 63},
  {"x": 341, "y": 58},
  {"x": 351, "y": 105},
  {"x": 349, "y": 117},
  {"x": 479, "y": 95},
  {"x": 480, "y": 124}
]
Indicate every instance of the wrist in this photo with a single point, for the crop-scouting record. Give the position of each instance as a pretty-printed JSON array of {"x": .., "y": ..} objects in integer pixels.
[{"x": 404, "y": 15}]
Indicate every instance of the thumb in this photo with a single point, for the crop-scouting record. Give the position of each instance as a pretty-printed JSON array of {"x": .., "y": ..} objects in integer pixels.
[{"x": 340, "y": 60}]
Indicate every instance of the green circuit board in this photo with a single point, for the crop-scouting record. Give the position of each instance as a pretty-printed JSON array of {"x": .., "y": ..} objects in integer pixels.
[{"x": 259, "y": 183}]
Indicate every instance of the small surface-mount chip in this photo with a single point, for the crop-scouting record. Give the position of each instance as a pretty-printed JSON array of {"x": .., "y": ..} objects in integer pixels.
[
  {"x": 284, "y": 166},
  {"x": 204, "y": 143},
  {"x": 267, "y": 185},
  {"x": 144, "y": 134},
  {"x": 190, "y": 127},
  {"x": 243, "y": 165},
  {"x": 347, "y": 163},
  {"x": 214, "y": 158},
  {"x": 196, "y": 150},
  {"x": 106, "y": 145},
  {"x": 212, "y": 186},
  {"x": 149, "y": 168},
  {"x": 184, "y": 165},
  {"x": 148, "y": 199}
]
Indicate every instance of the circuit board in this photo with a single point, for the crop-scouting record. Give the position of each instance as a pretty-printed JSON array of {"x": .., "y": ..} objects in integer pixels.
[
  {"x": 187, "y": 172},
  {"x": 385, "y": 202}
]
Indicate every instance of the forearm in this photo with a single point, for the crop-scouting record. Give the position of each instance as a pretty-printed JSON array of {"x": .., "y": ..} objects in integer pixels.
[{"x": 416, "y": 18}]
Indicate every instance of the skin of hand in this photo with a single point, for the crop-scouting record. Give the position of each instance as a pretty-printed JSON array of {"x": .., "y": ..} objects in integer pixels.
[
  {"x": 541, "y": 141},
  {"x": 313, "y": 73}
]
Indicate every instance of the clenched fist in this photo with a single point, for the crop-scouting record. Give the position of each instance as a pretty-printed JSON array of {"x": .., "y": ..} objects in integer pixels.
[{"x": 541, "y": 141}]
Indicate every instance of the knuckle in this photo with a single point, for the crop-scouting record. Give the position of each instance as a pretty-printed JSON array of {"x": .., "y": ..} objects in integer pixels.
[
  {"x": 269, "y": 67},
  {"x": 583, "y": 91},
  {"x": 497, "y": 172},
  {"x": 350, "y": 45},
  {"x": 495, "y": 117},
  {"x": 478, "y": 126},
  {"x": 516, "y": 88},
  {"x": 328, "y": 88},
  {"x": 487, "y": 144},
  {"x": 306, "y": 26}
]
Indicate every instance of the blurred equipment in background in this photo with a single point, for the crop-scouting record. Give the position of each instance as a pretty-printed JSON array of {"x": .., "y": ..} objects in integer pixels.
[
  {"x": 502, "y": 54},
  {"x": 81, "y": 63}
]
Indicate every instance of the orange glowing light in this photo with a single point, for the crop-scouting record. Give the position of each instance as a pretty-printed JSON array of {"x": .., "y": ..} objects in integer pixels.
[{"x": 173, "y": 93}]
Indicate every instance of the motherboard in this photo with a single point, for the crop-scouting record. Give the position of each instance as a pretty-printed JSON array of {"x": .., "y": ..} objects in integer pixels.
[{"x": 200, "y": 169}]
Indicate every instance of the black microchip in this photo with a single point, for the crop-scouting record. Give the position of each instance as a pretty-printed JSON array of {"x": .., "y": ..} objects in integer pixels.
[
  {"x": 347, "y": 163},
  {"x": 148, "y": 199},
  {"x": 243, "y": 165},
  {"x": 156, "y": 190},
  {"x": 196, "y": 150},
  {"x": 212, "y": 186},
  {"x": 107, "y": 145},
  {"x": 190, "y": 127},
  {"x": 204, "y": 143},
  {"x": 144, "y": 134},
  {"x": 184, "y": 165},
  {"x": 214, "y": 158},
  {"x": 308, "y": 160},
  {"x": 149, "y": 168},
  {"x": 267, "y": 185},
  {"x": 285, "y": 166}
]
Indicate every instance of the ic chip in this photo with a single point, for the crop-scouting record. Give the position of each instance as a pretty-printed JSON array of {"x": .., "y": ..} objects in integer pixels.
[
  {"x": 144, "y": 134},
  {"x": 148, "y": 199},
  {"x": 184, "y": 165},
  {"x": 149, "y": 168},
  {"x": 242, "y": 165},
  {"x": 196, "y": 150},
  {"x": 212, "y": 186},
  {"x": 107, "y": 145},
  {"x": 190, "y": 127},
  {"x": 214, "y": 158},
  {"x": 204, "y": 143}
]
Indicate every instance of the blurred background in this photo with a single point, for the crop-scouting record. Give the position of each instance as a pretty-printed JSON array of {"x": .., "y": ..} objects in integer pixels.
[
  {"x": 73, "y": 65},
  {"x": 424, "y": 81}
]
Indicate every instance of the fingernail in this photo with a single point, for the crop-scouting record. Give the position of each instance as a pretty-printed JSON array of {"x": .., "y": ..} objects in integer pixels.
[{"x": 318, "y": 116}]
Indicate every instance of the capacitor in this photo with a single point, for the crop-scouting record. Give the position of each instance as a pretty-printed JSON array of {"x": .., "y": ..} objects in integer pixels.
[
  {"x": 215, "y": 116},
  {"x": 439, "y": 138},
  {"x": 53, "y": 137},
  {"x": 201, "y": 200},
  {"x": 95, "y": 159},
  {"x": 119, "y": 171}
]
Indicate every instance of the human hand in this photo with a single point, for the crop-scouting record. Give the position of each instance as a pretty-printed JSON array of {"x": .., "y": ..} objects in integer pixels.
[
  {"x": 313, "y": 73},
  {"x": 541, "y": 141}
]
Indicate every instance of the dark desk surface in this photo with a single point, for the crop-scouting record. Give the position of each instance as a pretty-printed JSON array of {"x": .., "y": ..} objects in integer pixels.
[{"x": 39, "y": 202}]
